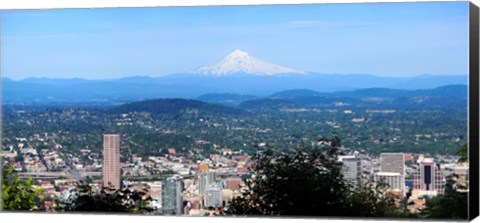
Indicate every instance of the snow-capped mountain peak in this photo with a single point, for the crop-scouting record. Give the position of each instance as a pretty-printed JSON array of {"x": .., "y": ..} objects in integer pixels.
[
  {"x": 241, "y": 62},
  {"x": 237, "y": 54}
]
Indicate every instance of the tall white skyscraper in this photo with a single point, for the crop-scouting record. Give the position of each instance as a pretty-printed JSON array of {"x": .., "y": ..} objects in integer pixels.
[{"x": 111, "y": 160}]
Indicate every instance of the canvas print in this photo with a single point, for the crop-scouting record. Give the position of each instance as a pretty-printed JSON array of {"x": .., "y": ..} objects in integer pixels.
[{"x": 320, "y": 110}]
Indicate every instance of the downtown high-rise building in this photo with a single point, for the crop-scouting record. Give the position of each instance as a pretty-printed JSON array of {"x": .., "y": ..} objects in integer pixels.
[
  {"x": 213, "y": 196},
  {"x": 172, "y": 196},
  {"x": 205, "y": 179},
  {"x": 393, "y": 163},
  {"x": 111, "y": 161},
  {"x": 352, "y": 170},
  {"x": 428, "y": 179},
  {"x": 393, "y": 180}
]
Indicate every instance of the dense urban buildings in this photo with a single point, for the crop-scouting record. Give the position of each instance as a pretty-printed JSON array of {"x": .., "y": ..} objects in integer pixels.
[
  {"x": 193, "y": 181},
  {"x": 111, "y": 160},
  {"x": 187, "y": 187}
]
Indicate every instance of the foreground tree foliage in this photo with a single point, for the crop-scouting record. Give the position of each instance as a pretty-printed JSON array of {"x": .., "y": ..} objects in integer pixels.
[
  {"x": 18, "y": 194},
  {"x": 307, "y": 182},
  {"x": 463, "y": 153},
  {"x": 453, "y": 204},
  {"x": 85, "y": 199}
]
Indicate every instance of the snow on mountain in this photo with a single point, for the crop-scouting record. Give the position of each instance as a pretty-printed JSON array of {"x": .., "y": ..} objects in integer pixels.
[{"x": 241, "y": 62}]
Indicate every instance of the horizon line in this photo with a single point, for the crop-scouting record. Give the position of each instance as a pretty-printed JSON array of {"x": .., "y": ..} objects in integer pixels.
[{"x": 162, "y": 76}]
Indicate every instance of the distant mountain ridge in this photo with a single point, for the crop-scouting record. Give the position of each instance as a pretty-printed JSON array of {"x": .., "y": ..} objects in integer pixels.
[
  {"x": 442, "y": 97},
  {"x": 192, "y": 86},
  {"x": 238, "y": 73},
  {"x": 451, "y": 96},
  {"x": 445, "y": 96},
  {"x": 459, "y": 91}
]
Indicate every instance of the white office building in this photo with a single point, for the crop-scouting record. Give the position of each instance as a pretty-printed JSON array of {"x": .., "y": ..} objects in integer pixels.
[
  {"x": 394, "y": 163},
  {"x": 393, "y": 180},
  {"x": 352, "y": 170},
  {"x": 213, "y": 196}
]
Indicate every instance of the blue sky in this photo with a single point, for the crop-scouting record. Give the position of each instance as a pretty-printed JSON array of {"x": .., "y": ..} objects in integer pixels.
[{"x": 386, "y": 39}]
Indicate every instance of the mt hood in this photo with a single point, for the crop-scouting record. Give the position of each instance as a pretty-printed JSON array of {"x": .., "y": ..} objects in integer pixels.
[{"x": 241, "y": 62}]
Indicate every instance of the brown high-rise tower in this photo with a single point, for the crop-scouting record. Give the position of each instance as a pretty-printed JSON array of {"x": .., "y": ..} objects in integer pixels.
[{"x": 111, "y": 160}]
